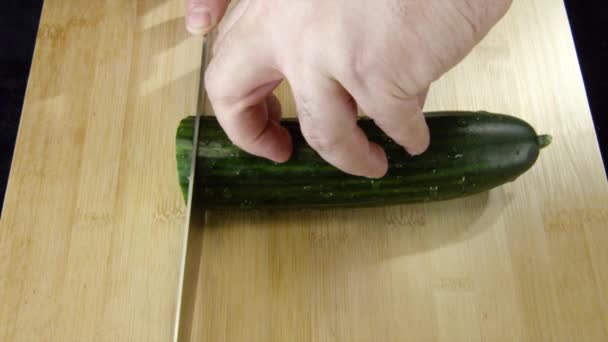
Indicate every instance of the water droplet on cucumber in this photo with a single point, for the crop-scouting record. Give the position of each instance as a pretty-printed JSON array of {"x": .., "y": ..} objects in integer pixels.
[
  {"x": 375, "y": 184},
  {"x": 327, "y": 194},
  {"x": 246, "y": 204},
  {"x": 433, "y": 190},
  {"x": 227, "y": 193}
]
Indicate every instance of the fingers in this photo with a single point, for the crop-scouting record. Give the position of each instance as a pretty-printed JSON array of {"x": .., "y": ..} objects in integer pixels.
[
  {"x": 400, "y": 117},
  {"x": 328, "y": 119},
  {"x": 203, "y": 15},
  {"x": 239, "y": 83},
  {"x": 275, "y": 110},
  {"x": 422, "y": 97}
]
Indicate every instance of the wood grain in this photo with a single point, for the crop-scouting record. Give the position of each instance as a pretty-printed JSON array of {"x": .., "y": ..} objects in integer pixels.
[
  {"x": 526, "y": 262},
  {"x": 90, "y": 237},
  {"x": 91, "y": 232}
]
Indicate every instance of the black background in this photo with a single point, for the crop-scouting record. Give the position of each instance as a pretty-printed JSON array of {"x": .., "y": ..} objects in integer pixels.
[{"x": 19, "y": 22}]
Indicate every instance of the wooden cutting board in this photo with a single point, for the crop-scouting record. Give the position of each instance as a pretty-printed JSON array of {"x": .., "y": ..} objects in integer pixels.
[{"x": 90, "y": 237}]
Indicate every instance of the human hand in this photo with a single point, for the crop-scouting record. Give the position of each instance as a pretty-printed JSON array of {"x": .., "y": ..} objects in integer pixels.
[
  {"x": 203, "y": 15},
  {"x": 338, "y": 55}
]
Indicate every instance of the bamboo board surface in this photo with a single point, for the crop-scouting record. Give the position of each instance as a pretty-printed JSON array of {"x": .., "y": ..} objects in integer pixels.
[{"x": 91, "y": 232}]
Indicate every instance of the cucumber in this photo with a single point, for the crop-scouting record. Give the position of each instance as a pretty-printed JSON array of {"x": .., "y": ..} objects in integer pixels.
[{"x": 470, "y": 152}]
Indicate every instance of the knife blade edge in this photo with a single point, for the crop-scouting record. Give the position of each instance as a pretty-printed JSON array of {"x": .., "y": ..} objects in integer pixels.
[{"x": 191, "y": 241}]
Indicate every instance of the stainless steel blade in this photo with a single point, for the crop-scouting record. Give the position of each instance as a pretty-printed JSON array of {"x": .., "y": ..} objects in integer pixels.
[{"x": 193, "y": 235}]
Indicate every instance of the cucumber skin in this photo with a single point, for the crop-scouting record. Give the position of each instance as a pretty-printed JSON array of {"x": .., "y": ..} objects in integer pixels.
[{"x": 470, "y": 152}]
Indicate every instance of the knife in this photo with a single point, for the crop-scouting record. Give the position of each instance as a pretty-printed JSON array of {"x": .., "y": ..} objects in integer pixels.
[{"x": 192, "y": 240}]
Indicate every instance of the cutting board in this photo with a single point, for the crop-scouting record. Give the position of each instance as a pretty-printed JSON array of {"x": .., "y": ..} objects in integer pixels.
[{"x": 90, "y": 237}]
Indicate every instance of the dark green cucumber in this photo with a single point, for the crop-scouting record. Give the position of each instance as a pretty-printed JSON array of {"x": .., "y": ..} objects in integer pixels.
[{"x": 470, "y": 152}]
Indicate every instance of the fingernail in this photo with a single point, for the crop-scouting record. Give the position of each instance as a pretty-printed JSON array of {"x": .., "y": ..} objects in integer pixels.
[
  {"x": 199, "y": 19},
  {"x": 415, "y": 151},
  {"x": 283, "y": 150},
  {"x": 421, "y": 142}
]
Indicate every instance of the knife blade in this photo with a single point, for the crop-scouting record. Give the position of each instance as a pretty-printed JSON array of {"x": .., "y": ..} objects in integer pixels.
[{"x": 192, "y": 240}]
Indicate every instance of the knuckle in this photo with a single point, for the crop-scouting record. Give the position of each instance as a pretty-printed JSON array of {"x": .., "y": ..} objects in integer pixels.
[
  {"x": 398, "y": 129},
  {"x": 401, "y": 92},
  {"x": 320, "y": 140},
  {"x": 321, "y": 143},
  {"x": 390, "y": 74},
  {"x": 470, "y": 12},
  {"x": 481, "y": 15},
  {"x": 212, "y": 82},
  {"x": 304, "y": 108},
  {"x": 359, "y": 65},
  {"x": 495, "y": 9},
  {"x": 400, "y": 12},
  {"x": 353, "y": 62},
  {"x": 393, "y": 100},
  {"x": 217, "y": 88},
  {"x": 424, "y": 67}
]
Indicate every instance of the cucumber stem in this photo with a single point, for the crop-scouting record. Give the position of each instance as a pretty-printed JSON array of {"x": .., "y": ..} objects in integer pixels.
[{"x": 544, "y": 140}]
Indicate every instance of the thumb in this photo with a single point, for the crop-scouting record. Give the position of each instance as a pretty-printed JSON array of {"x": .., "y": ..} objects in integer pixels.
[{"x": 203, "y": 15}]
